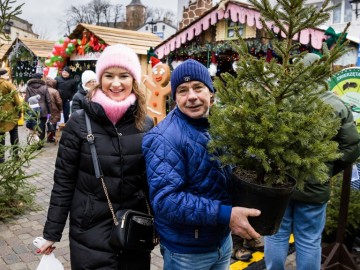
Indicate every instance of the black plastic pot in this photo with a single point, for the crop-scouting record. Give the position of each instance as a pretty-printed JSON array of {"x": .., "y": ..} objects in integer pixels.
[{"x": 271, "y": 201}]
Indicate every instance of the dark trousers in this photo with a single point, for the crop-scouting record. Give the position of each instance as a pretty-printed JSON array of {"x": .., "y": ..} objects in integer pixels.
[
  {"x": 14, "y": 140},
  {"x": 42, "y": 126},
  {"x": 66, "y": 110}
]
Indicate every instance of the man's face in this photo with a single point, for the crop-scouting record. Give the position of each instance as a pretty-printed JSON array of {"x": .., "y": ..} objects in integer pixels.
[
  {"x": 65, "y": 74},
  {"x": 193, "y": 99}
]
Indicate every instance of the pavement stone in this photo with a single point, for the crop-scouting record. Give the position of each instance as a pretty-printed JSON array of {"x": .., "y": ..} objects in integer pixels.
[{"x": 16, "y": 235}]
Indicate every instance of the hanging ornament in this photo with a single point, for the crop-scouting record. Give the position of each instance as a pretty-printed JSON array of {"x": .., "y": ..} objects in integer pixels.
[
  {"x": 269, "y": 55},
  {"x": 175, "y": 63},
  {"x": 234, "y": 66},
  {"x": 213, "y": 65}
]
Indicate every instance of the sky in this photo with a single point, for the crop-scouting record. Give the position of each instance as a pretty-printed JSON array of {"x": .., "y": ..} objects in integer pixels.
[{"x": 45, "y": 15}]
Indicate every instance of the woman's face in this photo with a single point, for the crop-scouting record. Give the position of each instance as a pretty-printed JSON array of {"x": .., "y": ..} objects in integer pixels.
[
  {"x": 117, "y": 83},
  {"x": 90, "y": 84}
]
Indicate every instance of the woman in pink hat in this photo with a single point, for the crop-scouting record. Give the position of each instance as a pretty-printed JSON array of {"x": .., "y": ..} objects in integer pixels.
[{"x": 117, "y": 112}]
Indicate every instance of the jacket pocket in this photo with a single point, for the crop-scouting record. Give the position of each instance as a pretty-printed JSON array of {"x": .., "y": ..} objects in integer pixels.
[{"x": 88, "y": 214}]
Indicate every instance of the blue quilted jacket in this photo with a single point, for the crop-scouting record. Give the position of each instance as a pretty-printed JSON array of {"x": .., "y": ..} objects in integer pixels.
[{"x": 189, "y": 190}]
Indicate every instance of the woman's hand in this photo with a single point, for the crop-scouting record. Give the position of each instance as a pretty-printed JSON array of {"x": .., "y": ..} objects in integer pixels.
[{"x": 46, "y": 248}]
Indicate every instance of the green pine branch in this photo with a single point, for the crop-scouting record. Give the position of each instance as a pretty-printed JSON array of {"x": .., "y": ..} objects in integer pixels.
[
  {"x": 269, "y": 116},
  {"x": 16, "y": 193}
]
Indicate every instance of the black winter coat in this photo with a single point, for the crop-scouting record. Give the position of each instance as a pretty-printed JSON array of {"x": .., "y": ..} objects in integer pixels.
[
  {"x": 77, "y": 190},
  {"x": 67, "y": 87},
  {"x": 78, "y": 99}
]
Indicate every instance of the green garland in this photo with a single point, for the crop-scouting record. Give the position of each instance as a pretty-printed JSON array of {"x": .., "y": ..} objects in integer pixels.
[{"x": 22, "y": 54}]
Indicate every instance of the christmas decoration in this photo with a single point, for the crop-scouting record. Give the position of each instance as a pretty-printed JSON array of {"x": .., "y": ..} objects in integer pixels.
[
  {"x": 23, "y": 63},
  {"x": 213, "y": 66},
  {"x": 332, "y": 37},
  {"x": 159, "y": 86},
  {"x": 64, "y": 47}
]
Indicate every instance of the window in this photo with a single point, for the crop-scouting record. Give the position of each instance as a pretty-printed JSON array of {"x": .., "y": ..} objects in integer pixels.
[
  {"x": 146, "y": 28},
  {"x": 337, "y": 12},
  {"x": 155, "y": 28},
  {"x": 163, "y": 27},
  {"x": 231, "y": 28},
  {"x": 348, "y": 11},
  {"x": 342, "y": 13}
]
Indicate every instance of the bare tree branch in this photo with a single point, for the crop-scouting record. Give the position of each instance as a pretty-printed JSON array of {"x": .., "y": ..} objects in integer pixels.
[{"x": 7, "y": 12}]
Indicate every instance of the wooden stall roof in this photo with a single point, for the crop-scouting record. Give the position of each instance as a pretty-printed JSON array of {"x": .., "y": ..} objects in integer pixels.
[
  {"x": 3, "y": 49},
  {"x": 140, "y": 42},
  {"x": 39, "y": 47}
]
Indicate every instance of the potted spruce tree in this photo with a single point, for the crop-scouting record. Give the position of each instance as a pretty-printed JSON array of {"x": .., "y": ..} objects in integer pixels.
[{"x": 269, "y": 117}]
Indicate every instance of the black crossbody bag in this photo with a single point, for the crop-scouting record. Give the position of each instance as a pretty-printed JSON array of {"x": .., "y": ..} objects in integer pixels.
[{"x": 132, "y": 230}]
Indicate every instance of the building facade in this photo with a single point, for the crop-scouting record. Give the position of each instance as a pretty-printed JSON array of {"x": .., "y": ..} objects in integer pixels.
[
  {"x": 340, "y": 16},
  {"x": 161, "y": 28},
  {"x": 18, "y": 28}
]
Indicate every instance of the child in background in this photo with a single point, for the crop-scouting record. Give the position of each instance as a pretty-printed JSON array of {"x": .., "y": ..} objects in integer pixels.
[{"x": 32, "y": 119}]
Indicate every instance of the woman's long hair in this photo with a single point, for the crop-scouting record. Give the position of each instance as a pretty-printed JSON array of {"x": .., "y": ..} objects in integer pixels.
[{"x": 140, "y": 113}]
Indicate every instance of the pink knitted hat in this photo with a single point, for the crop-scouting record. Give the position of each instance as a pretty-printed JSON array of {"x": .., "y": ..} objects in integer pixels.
[{"x": 119, "y": 56}]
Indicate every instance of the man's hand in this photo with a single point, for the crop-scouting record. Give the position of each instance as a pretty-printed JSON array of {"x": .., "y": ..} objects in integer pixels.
[{"x": 239, "y": 223}]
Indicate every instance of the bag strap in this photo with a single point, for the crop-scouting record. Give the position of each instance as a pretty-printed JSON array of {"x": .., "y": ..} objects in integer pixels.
[
  {"x": 98, "y": 172},
  {"x": 91, "y": 140}
]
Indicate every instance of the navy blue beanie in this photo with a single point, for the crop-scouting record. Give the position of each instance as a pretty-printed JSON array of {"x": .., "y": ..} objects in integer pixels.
[
  {"x": 188, "y": 71},
  {"x": 67, "y": 69}
]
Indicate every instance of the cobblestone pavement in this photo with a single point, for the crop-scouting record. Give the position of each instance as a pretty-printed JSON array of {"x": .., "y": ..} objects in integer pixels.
[{"x": 16, "y": 235}]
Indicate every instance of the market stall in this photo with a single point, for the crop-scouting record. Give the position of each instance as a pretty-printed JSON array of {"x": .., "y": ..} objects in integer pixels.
[
  {"x": 83, "y": 46},
  {"x": 26, "y": 56}
]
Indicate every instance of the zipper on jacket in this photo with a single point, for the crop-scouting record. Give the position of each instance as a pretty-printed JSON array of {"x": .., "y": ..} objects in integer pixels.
[
  {"x": 121, "y": 153},
  {"x": 196, "y": 233}
]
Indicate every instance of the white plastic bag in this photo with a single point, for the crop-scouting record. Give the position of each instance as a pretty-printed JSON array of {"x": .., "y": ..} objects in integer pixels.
[{"x": 48, "y": 262}]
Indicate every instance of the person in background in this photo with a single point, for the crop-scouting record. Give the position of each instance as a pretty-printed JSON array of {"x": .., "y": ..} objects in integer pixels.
[
  {"x": 56, "y": 108},
  {"x": 33, "y": 120},
  {"x": 37, "y": 86},
  {"x": 117, "y": 111},
  {"x": 88, "y": 81},
  {"x": 67, "y": 87},
  {"x": 189, "y": 188},
  {"x": 13, "y": 105},
  {"x": 305, "y": 215}
]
